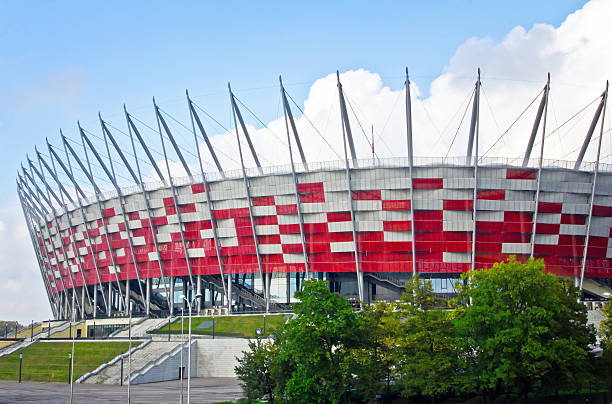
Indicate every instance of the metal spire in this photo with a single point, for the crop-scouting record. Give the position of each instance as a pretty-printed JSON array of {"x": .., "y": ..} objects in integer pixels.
[
  {"x": 589, "y": 134},
  {"x": 536, "y": 123},
  {"x": 345, "y": 121},
  {"x": 410, "y": 167},
  {"x": 243, "y": 126},
  {"x": 194, "y": 115},
  {"x": 289, "y": 115},
  {"x": 475, "y": 107}
]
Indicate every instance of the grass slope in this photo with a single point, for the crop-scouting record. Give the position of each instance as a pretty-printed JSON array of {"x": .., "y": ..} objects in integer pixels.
[
  {"x": 239, "y": 326},
  {"x": 48, "y": 361}
]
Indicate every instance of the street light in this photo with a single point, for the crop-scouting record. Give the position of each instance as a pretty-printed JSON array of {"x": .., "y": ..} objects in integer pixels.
[{"x": 197, "y": 296}]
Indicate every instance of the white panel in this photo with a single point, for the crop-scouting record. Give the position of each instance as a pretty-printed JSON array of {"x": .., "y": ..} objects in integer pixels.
[
  {"x": 266, "y": 229},
  {"x": 265, "y": 210},
  {"x": 293, "y": 258},
  {"x": 228, "y": 242},
  {"x": 153, "y": 256},
  {"x": 196, "y": 252},
  {"x": 516, "y": 248},
  {"x": 342, "y": 246},
  {"x": 552, "y": 218},
  {"x": 369, "y": 226},
  {"x": 458, "y": 257},
  {"x": 270, "y": 249},
  {"x": 290, "y": 238},
  {"x": 549, "y": 239},
  {"x": 397, "y": 236},
  {"x": 335, "y": 227},
  {"x": 573, "y": 229}
]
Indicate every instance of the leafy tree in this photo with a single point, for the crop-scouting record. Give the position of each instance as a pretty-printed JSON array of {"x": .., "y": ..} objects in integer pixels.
[
  {"x": 605, "y": 328},
  {"x": 373, "y": 362},
  {"x": 428, "y": 355},
  {"x": 519, "y": 326},
  {"x": 255, "y": 370},
  {"x": 316, "y": 343}
]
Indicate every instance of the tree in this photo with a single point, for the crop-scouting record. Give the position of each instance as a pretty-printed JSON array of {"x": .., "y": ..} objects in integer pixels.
[
  {"x": 426, "y": 341},
  {"x": 605, "y": 328},
  {"x": 255, "y": 371},
  {"x": 519, "y": 325},
  {"x": 315, "y": 344},
  {"x": 373, "y": 362}
]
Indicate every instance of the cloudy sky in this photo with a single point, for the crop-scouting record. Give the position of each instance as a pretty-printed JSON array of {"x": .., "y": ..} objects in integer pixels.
[{"x": 61, "y": 63}]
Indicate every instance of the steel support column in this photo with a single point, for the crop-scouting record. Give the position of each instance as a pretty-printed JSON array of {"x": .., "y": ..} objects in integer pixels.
[
  {"x": 213, "y": 222},
  {"x": 593, "y": 188},
  {"x": 350, "y": 191},
  {"x": 539, "y": 174},
  {"x": 250, "y": 202},
  {"x": 410, "y": 167},
  {"x": 474, "y": 134},
  {"x": 298, "y": 201}
]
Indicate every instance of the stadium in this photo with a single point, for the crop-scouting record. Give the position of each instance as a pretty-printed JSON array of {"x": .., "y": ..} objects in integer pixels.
[{"x": 245, "y": 240}]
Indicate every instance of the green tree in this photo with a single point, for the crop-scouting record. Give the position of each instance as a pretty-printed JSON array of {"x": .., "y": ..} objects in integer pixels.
[
  {"x": 315, "y": 343},
  {"x": 255, "y": 371},
  {"x": 518, "y": 326},
  {"x": 428, "y": 356},
  {"x": 605, "y": 328},
  {"x": 374, "y": 360}
]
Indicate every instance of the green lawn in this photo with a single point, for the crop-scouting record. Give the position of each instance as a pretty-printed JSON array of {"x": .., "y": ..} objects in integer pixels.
[
  {"x": 48, "y": 361},
  {"x": 238, "y": 326}
]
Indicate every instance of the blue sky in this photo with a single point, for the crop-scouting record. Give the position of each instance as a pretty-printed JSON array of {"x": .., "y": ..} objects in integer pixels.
[{"x": 63, "y": 61}]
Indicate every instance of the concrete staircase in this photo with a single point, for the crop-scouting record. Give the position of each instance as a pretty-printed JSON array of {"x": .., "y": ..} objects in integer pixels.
[
  {"x": 140, "y": 329},
  {"x": 140, "y": 358}
]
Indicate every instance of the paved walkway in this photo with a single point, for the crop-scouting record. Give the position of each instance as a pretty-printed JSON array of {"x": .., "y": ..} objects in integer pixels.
[{"x": 203, "y": 390}]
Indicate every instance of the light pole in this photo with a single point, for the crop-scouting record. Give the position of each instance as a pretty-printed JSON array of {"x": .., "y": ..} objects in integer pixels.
[{"x": 197, "y": 296}]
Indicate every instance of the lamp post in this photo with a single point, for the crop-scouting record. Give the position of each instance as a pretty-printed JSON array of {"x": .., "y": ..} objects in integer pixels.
[{"x": 197, "y": 296}]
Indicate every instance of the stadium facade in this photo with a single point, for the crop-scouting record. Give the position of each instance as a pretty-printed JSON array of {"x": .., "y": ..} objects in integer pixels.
[{"x": 255, "y": 234}]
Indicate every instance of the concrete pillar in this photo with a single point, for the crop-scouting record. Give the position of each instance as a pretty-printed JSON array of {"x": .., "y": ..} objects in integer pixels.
[
  {"x": 229, "y": 293},
  {"x": 148, "y": 300},
  {"x": 171, "y": 297},
  {"x": 110, "y": 300},
  {"x": 95, "y": 302},
  {"x": 127, "y": 297},
  {"x": 199, "y": 292},
  {"x": 83, "y": 314},
  {"x": 288, "y": 283},
  {"x": 267, "y": 279},
  {"x": 361, "y": 284}
]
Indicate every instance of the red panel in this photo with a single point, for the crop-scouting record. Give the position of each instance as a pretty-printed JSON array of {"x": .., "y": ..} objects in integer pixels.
[
  {"x": 428, "y": 215},
  {"x": 108, "y": 212},
  {"x": 603, "y": 211},
  {"x": 366, "y": 195},
  {"x": 400, "y": 225},
  {"x": 265, "y": 220},
  {"x": 520, "y": 174},
  {"x": 523, "y": 217},
  {"x": 198, "y": 188},
  {"x": 395, "y": 205},
  {"x": 286, "y": 209},
  {"x": 458, "y": 204},
  {"x": 428, "y": 183},
  {"x": 292, "y": 248},
  {"x": 316, "y": 197},
  {"x": 491, "y": 194},
  {"x": 263, "y": 201},
  {"x": 310, "y": 187},
  {"x": 289, "y": 228},
  {"x": 169, "y": 201},
  {"x": 572, "y": 219},
  {"x": 339, "y": 216},
  {"x": 547, "y": 228},
  {"x": 133, "y": 216},
  {"x": 550, "y": 207},
  {"x": 269, "y": 239}
]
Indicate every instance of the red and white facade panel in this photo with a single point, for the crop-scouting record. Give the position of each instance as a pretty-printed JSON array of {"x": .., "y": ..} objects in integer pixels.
[{"x": 440, "y": 231}]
